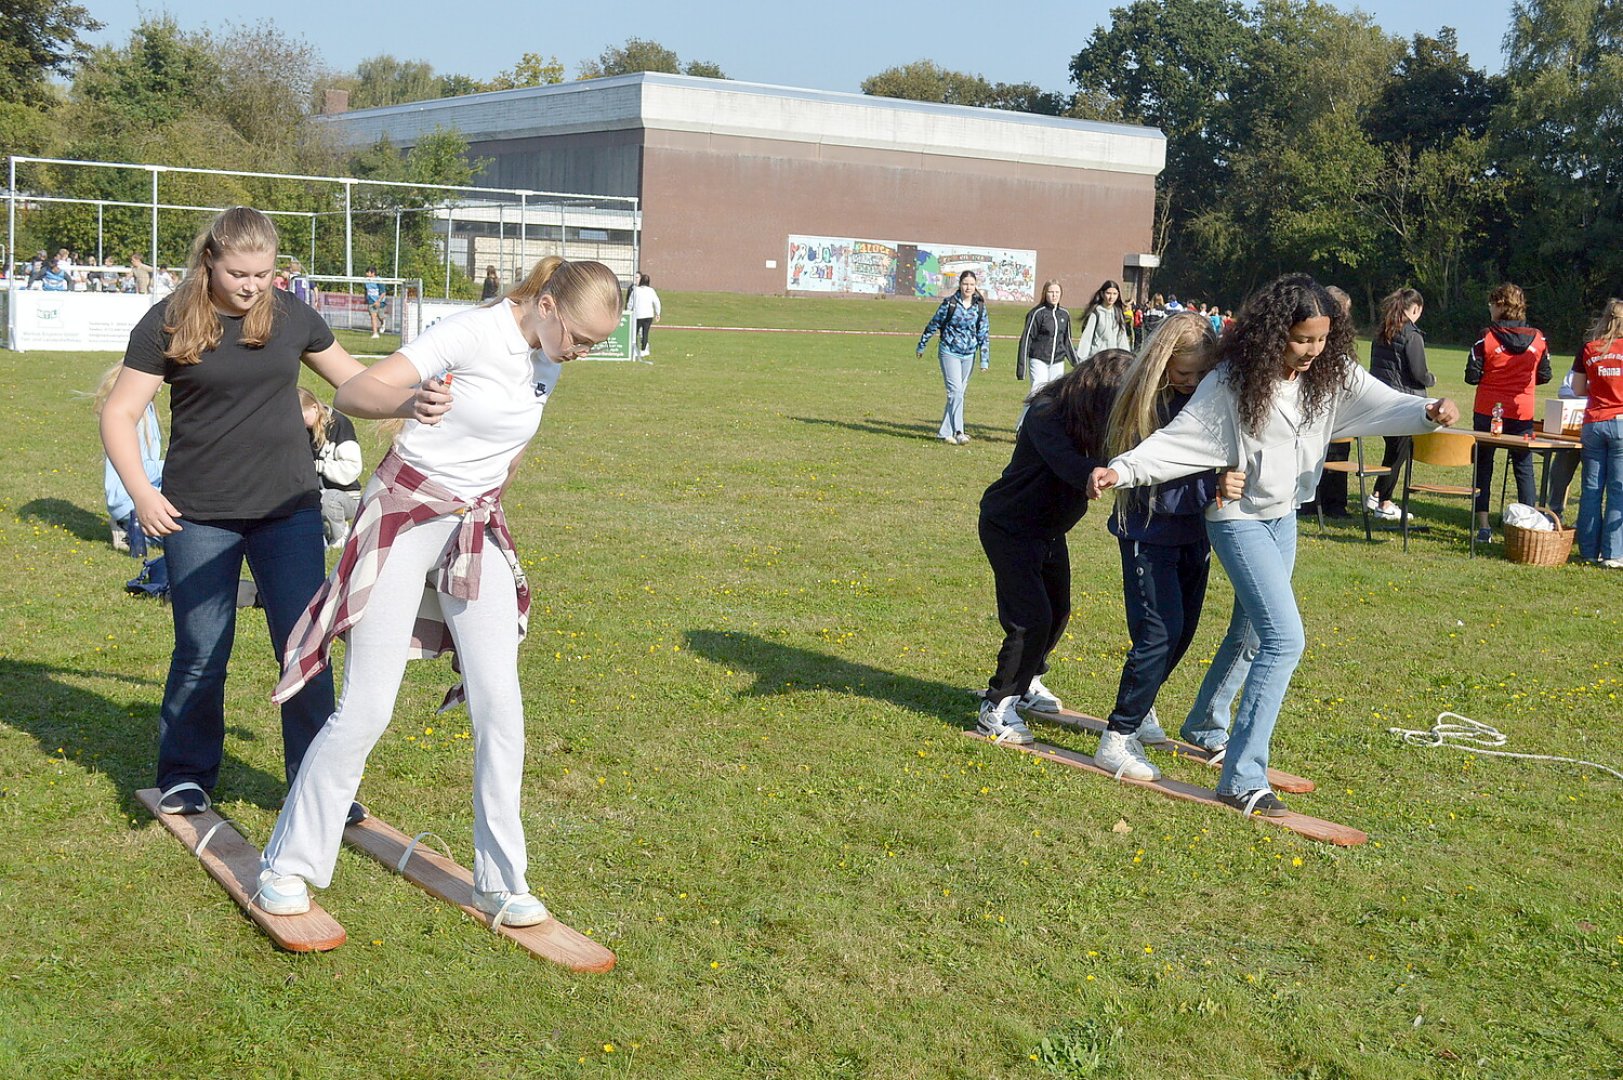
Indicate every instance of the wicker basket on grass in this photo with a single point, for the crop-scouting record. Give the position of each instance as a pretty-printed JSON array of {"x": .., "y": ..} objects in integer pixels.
[{"x": 1537, "y": 547}]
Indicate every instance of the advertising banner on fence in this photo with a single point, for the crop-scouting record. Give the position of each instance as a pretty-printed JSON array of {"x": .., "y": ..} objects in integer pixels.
[
  {"x": 75, "y": 321},
  {"x": 841, "y": 264}
]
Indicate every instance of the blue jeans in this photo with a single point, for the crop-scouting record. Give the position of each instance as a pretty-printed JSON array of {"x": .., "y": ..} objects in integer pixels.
[
  {"x": 1259, "y": 652},
  {"x": 1600, "y": 530},
  {"x": 287, "y": 557},
  {"x": 955, "y": 371},
  {"x": 1164, "y": 587}
]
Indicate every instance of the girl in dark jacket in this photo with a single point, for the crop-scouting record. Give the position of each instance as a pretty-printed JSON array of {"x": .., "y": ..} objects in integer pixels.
[
  {"x": 1025, "y": 515},
  {"x": 1045, "y": 341},
  {"x": 1397, "y": 357}
]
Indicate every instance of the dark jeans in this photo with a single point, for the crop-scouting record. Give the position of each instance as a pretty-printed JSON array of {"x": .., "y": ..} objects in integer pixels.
[
  {"x": 1032, "y": 579},
  {"x": 287, "y": 557},
  {"x": 1164, "y": 587},
  {"x": 643, "y": 327},
  {"x": 1398, "y": 450},
  {"x": 1521, "y": 462}
]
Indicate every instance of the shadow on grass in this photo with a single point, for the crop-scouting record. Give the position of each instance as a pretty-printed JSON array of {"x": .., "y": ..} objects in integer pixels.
[
  {"x": 780, "y": 669},
  {"x": 118, "y": 739},
  {"x": 894, "y": 429},
  {"x": 80, "y": 522}
]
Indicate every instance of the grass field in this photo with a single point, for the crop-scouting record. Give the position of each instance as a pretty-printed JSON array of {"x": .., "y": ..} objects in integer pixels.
[{"x": 760, "y": 601}]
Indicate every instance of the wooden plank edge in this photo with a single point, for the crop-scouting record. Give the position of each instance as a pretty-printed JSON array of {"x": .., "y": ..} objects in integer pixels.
[
  {"x": 1070, "y": 718},
  {"x": 314, "y": 931},
  {"x": 1311, "y": 828},
  {"x": 552, "y": 940}
]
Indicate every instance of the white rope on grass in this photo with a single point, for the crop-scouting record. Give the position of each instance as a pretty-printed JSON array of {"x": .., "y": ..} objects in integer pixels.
[{"x": 1475, "y": 737}]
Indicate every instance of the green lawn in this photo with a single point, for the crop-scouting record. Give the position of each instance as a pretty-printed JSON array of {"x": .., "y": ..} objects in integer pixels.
[{"x": 760, "y": 601}]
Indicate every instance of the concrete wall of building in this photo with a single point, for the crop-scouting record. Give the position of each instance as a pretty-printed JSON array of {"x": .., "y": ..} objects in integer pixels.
[{"x": 718, "y": 209}]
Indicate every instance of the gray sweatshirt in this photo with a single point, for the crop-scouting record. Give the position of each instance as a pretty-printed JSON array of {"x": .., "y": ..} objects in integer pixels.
[{"x": 1282, "y": 464}]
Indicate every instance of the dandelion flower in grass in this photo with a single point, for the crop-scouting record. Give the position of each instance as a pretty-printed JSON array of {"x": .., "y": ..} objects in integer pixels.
[
  {"x": 1296, "y": 861},
  {"x": 715, "y": 965},
  {"x": 608, "y": 1048}
]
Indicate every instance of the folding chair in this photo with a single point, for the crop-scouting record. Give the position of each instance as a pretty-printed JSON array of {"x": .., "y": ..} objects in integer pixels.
[
  {"x": 1360, "y": 470},
  {"x": 1448, "y": 449}
]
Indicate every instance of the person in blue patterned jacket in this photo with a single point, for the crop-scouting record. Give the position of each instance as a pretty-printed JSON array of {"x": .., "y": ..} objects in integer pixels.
[{"x": 964, "y": 328}]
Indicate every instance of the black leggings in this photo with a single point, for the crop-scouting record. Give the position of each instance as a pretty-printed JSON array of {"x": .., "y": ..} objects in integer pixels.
[
  {"x": 1521, "y": 462},
  {"x": 1033, "y": 584},
  {"x": 643, "y": 326}
]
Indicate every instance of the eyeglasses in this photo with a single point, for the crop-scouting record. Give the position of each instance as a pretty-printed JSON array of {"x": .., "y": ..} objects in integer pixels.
[{"x": 577, "y": 346}]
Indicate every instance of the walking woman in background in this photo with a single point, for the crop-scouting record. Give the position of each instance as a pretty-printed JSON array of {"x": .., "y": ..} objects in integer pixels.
[
  {"x": 1045, "y": 341},
  {"x": 1397, "y": 357},
  {"x": 1598, "y": 374},
  {"x": 433, "y": 512},
  {"x": 1025, "y": 515},
  {"x": 965, "y": 329},
  {"x": 1286, "y": 384},
  {"x": 1507, "y": 362},
  {"x": 238, "y": 482},
  {"x": 645, "y": 310},
  {"x": 1106, "y": 325}
]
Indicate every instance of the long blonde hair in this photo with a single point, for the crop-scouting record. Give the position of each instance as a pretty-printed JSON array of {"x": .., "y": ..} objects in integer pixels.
[
  {"x": 104, "y": 390},
  {"x": 573, "y": 286},
  {"x": 318, "y": 434},
  {"x": 1609, "y": 326},
  {"x": 190, "y": 319},
  {"x": 1145, "y": 390}
]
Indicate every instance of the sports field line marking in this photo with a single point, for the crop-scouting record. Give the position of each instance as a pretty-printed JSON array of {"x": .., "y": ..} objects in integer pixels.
[{"x": 812, "y": 330}]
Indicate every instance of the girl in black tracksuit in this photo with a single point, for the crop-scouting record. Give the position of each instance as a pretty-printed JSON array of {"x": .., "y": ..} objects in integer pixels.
[
  {"x": 1397, "y": 357},
  {"x": 1046, "y": 346},
  {"x": 1025, "y": 515}
]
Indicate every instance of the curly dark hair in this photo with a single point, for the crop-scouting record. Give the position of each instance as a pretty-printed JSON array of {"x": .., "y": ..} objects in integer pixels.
[
  {"x": 1253, "y": 348},
  {"x": 1083, "y": 396}
]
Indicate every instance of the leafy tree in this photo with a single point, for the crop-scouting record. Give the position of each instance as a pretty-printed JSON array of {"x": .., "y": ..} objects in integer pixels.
[
  {"x": 531, "y": 70},
  {"x": 160, "y": 74},
  {"x": 39, "y": 38},
  {"x": 639, "y": 54},
  {"x": 1434, "y": 96},
  {"x": 924, "y": 80},
  {"x": 386, "y": 80}
]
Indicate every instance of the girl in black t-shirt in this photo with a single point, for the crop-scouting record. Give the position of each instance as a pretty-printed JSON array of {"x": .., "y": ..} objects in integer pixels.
[{"x": 239, "y": 482}]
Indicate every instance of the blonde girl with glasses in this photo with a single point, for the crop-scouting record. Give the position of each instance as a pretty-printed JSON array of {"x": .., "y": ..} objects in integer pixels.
[{"x": 433, "y": 512}]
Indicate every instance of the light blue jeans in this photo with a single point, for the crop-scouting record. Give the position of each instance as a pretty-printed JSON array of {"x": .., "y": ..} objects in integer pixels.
[
  {"x": 1259, "y": 653},
  {"x": 1600, "y": 531},
  {"x": 955, "y": 371}
]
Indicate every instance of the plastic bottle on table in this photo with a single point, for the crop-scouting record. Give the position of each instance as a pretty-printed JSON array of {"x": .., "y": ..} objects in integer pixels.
[{"x": 1497, "y": 424}]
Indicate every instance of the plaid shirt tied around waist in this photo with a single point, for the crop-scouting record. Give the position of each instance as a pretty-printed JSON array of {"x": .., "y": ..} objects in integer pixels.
[{"x": 406, "y": 498}]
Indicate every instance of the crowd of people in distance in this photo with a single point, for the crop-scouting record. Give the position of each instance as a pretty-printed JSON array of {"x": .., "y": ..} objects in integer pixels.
[{"x": 67, "y": 272}]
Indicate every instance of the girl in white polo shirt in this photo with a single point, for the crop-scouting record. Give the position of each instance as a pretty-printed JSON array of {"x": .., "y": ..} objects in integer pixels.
[{"x": 433, "y": 510}]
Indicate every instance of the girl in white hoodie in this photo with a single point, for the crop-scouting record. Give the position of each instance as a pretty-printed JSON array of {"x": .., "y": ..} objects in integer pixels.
[{"x": 1285, "y": 386}]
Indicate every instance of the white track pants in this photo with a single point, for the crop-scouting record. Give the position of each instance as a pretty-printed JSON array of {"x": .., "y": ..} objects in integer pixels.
[
  {"x": 1041, "y": 375},
  {"x": 308, "y": 832}
]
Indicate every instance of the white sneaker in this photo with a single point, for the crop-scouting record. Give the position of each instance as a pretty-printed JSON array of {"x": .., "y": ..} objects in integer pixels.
[
  {"x": 1039, "y": 697},
  {"x": 1387, "y": 512},
  {"x": 1150, "y": 731},
  {"x": 1611, "y": 564},
  {"x": 1372, "y": 504},
  {"x": 121, "y": 540},
  {"x": 1122, "y": 756},
  {"x": 1000, "y": 723},
  {"x": 510, "y": 909},
  {"x": 281, "y": 895}
]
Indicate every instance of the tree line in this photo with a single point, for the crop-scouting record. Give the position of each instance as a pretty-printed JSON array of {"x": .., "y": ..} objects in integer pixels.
[{"x": 1300, "y": 136}]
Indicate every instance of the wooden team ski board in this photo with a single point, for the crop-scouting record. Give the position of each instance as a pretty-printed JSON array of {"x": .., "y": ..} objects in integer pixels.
[
  {"x": 1279, "y": 781},
  {"x": 451, "y": 882},
  {"x": 1310, "y": 827},
  {"x": 234, "y": 863}
]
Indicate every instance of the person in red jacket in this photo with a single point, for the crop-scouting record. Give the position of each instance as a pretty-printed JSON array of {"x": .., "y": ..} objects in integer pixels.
[{"x": 1506, "y": 363}]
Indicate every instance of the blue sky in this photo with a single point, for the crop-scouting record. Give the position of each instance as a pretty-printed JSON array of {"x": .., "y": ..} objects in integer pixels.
[{"x": 831, "y": 45}]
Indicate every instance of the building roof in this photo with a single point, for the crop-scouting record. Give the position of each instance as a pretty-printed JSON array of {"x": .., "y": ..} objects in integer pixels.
[{"x": 650, "y": 100}]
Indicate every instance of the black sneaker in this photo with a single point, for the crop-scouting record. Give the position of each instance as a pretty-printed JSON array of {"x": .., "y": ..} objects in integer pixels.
[
  {"x": 1261, "y": 801},
  {"x": 356, "y": 815},
  {"x": 184, "y": 798}
]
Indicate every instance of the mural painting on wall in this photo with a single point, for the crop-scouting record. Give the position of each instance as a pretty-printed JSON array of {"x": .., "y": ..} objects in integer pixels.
[{"x": 830, "y": 264}]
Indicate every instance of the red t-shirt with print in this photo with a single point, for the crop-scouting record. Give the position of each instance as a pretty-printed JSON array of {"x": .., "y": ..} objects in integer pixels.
[{"x": 1601, "y": 362}]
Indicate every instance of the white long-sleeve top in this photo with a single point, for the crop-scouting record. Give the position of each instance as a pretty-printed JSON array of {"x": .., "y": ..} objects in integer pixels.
[
  {"x": 1282, "y": 463},
  {"x": 644, "y": 302}
]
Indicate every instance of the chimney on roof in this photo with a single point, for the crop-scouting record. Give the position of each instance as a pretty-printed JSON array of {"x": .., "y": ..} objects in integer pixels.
[{"x": 334, "y": 102}]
